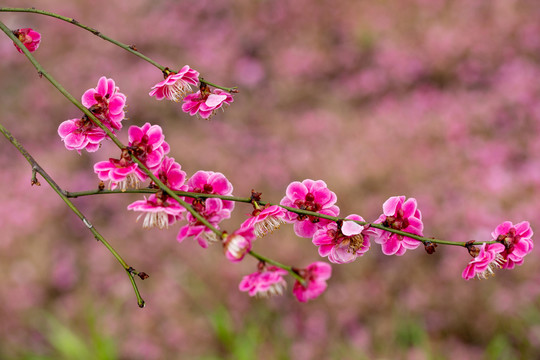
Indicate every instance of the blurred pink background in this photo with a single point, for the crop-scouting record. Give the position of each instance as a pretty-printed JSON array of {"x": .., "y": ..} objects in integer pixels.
[{"x": 438, "y": 100}]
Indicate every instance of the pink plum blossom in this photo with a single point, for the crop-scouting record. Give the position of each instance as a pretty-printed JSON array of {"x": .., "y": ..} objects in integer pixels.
[
  {"x": 265, "y": 282},
  {"x": 120, "y": 172},
  {"x": 158, "y": 212},
  {"x": 29, "y": 37},
  {"x": 214, "y": 212},
  {"x": 79, "y": 134},
  {"x": 342, "y": 245},
  {"x": 315, "y": 276},
  {"x": 265, "y": 220},
  {"x": 106, "y": 103},
  {"x": 171, "y": 174},
  {"x": 312, "y": 196},
  {"x": 238, "y": 244},
  {"x": 209, "y": 182},
  {"x": 148, "y": 144},
  {"x": 176, "y": 85},
  {"x": 488, "y": 259},
  {"x": 205, "y": 104},
  {"x": 517, "y": 241},
  {"x": 401, "y": 215}
]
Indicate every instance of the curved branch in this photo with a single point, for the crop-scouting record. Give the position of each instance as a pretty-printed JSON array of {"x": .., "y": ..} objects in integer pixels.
[{"x": 130, "y": 48}]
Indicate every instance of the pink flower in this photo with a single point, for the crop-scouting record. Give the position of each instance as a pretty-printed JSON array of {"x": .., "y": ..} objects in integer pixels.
[
  {"x": 106, "y": 103},
  {"x": 342, "y": 245},
  {"x": 400, "y": 215},
  {"x": 212, "y": 210},
  {"x": 238, "y": 244},
  {"x": 205, "y": 104},
  {"x": 312, "y": 196},
  {"x": 158, "y": 212},
  {"x": 209, "y": 182},
  {"x": 265, "y": 220},
  {"x": 517, "y": 241},
  {"x": 120, "y": 172},
  {"x": 79, "y": 134},
  {"x": 265, "y": 282},
  {"x": 488, "y": 259},
  {"x": 148, "y": 144},
  {"x": 171, "y": 174},
  {"x": 315, "y": 276},
  {"x": 176, "y": 85},
  {"x": 30, "y": 38}
]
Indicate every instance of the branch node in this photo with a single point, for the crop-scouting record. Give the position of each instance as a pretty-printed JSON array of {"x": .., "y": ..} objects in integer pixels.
[
  {"x": 87, "y": 223},
  {"x": 473, "y": 250},
  {"x": 430, "y": 247},
  {"x": 143, "y": 275},
  {"x": 255, "y": 196},
  {"x": 34, "y": 180}
]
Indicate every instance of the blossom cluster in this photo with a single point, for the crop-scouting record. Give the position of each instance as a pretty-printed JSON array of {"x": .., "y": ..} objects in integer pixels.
[
  {"x": 106, "y": 103},
  {"x": 511, "y": 244},
  {"x": 177, "y": 87},
  {"x": 309, "y": 205}
]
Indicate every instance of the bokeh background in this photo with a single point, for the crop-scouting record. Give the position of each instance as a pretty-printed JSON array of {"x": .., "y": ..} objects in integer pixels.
[{"x": 433, "y": 99}]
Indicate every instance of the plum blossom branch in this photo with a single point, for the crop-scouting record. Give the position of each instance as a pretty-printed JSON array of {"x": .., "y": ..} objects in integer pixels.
[
  {"x": 130, "y": 48},
  {"x": 89, "y": 114},
  {"x": 36, "y": 168},
  {"x": 309, "y": 204},
  {"x": 423, "y": 239}
]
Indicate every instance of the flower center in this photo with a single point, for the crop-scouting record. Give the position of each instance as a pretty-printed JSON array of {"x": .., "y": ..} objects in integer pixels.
[
  {"x": 355, "y": 243},
  {"x": 509, "y": 239},
  {"x": 308, "y": 204},
  {"x": 398, "y": 221}
]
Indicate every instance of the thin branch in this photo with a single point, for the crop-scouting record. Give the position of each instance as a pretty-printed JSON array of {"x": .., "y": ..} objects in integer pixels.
[
  {"x": 423, "y": 239},
  {"x": 36, "y": 168},
  {"x": 130, "y": 48}
]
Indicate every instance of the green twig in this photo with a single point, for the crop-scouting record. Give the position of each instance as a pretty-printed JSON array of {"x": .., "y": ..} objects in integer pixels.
[
  {"x": 291, "y": 209},
  {"x": 36, "y": 168},
  {"x": 130, "y": 48},
  {"x": 45, "y": 74}
]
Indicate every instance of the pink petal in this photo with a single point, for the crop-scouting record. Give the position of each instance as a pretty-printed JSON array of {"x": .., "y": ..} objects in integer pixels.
[
  {"x": 88, "y": 98},
  {"x": 321, "y": 270},
  {"x": 502, "y": 229},
  {"x": 67, "y": 127},
  {"x": 391, "y": 205},
  {"x": 409, "y": 207},
  {"x": 324, "y": 250},
  {"x": 102, "y": 86},
  {"x": 350, "y": 228},
  {"x": 214, "y": 100},
  {"x": 391, "y": 246},
  {"x": 135, "y": 134},
  {"x": 304, "y": 228},
  {"x": 296, "y": 190}
]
